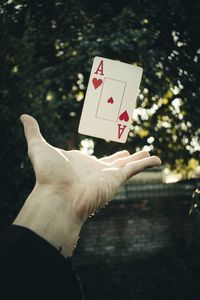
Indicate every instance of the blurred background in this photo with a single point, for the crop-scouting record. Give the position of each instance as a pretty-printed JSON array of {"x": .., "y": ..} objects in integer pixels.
[{"x": 144, "y": 245}]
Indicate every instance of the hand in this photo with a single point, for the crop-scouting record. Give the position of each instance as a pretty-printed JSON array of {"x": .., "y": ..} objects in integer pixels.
[{"x": 84, "y": 182}]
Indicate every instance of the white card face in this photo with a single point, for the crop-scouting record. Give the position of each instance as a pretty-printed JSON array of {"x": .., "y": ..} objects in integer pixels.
[{"x": 110, "y": 100}]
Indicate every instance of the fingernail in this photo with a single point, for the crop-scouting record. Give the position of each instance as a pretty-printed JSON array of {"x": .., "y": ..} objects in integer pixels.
[
  {"x": 159, "y": 162},
  {"x": 22, "y": 118}
]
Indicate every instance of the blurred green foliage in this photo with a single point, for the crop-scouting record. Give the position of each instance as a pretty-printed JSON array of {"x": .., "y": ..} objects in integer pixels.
[{"x": 46, "y": 53}]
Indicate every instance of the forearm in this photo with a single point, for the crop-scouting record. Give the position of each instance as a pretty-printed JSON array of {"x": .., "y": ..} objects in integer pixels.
[{"x": 48, "y": 212}]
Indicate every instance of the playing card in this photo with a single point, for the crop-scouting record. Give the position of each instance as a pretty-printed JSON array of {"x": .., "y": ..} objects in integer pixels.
[{"x": 110, "y": 99}]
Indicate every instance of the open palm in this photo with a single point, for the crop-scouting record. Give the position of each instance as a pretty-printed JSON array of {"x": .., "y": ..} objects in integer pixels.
[{"x": 92, "y": 182}]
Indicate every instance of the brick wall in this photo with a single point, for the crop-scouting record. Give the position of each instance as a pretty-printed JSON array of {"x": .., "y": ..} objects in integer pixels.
[
  {"x": 138, "y": 246},
  {"x": 141, "y": 220}
]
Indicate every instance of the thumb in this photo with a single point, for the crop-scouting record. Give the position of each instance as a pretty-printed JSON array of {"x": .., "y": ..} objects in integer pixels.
[{"x": 31, "y": 129}]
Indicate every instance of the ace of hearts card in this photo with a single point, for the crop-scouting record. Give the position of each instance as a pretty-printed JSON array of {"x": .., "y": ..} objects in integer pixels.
[{"x": 110, "y": 99}]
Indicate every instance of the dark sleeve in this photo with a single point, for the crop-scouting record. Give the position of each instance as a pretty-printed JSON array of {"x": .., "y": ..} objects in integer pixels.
[{"x": 30, "y": 268}]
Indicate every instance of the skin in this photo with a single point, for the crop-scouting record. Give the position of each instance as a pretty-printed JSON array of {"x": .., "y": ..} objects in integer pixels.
[{"x": 70, "y": 186}]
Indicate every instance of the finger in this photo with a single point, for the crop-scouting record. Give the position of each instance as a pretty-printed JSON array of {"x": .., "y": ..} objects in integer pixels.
[
  {"x": 31, "y": 129},
  {"x": 113, "y": 157},
  {"x": 125, "y": 160},
  {"x": 132, "y": 168}
]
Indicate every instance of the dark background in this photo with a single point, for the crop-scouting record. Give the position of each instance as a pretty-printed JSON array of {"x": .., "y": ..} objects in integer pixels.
[
  {"x": 143, "y": 246},
  {"x": 46, "y": 52}
]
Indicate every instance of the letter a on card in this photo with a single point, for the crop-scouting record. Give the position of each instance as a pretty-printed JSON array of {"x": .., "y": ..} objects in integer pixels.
[
  {"x": 121, "y": 129},
  {"x": 100, "y": 68}
]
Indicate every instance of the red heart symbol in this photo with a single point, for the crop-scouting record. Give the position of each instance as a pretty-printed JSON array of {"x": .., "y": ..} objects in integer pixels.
[
  {"x": 96, "y": 82},
  {"x": 124, "y": 116},
  {"x": 110, "y": 100}
]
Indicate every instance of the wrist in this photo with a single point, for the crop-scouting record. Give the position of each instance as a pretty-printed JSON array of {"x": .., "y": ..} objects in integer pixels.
[{"x": 49, "y": 212}]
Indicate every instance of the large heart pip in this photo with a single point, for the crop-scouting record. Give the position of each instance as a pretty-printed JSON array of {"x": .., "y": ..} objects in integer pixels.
[
  {"x": 96, "y": 82},
  {"x": 124, "y": 116}
]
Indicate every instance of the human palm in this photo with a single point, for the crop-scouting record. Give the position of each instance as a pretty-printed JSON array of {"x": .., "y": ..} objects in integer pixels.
[{"x": 91, "y": 182}]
